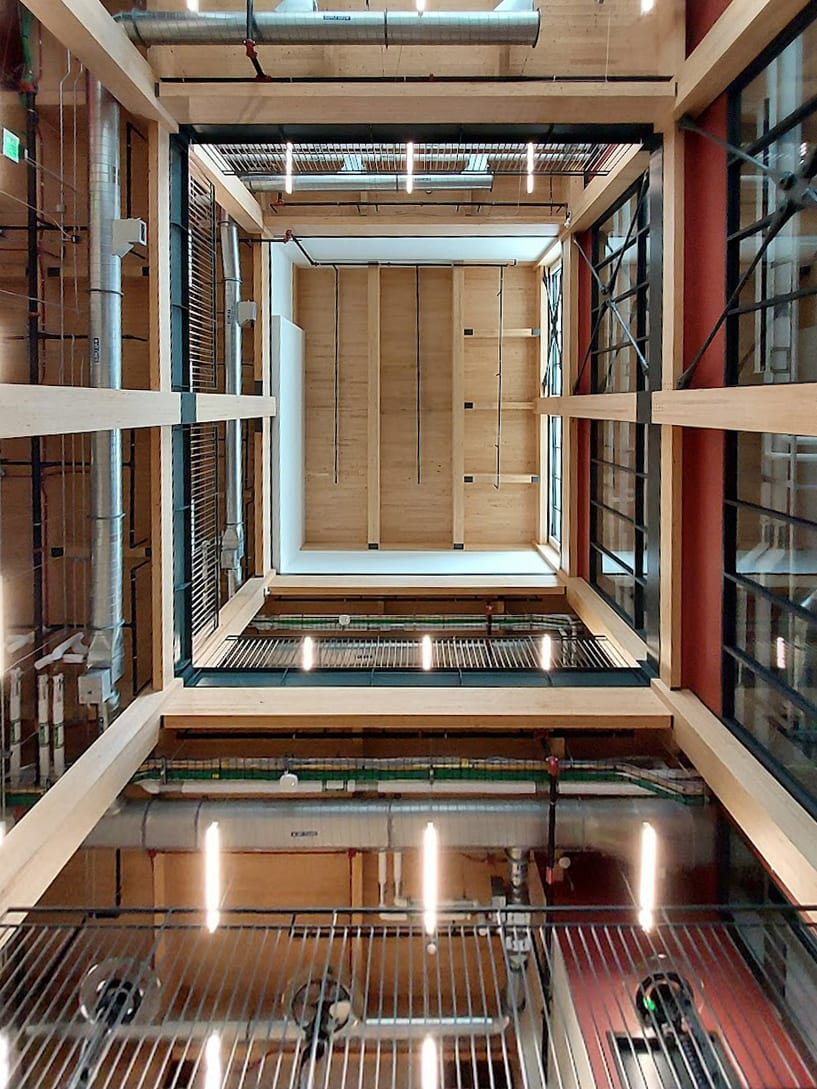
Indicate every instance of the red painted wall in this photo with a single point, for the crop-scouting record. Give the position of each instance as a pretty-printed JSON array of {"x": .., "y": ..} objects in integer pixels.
[
  {"x": 703, "y": 451},
  {"x": 700, "y": 17}
]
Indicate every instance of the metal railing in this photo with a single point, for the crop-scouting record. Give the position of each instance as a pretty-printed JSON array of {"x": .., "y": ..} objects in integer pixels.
[
  {"x": 513, "y": 653},
  {"x": 311, "y": 998}
]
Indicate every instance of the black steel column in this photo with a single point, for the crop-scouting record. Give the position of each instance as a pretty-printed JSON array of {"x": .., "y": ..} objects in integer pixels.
[{"x": 33, "y": 228}]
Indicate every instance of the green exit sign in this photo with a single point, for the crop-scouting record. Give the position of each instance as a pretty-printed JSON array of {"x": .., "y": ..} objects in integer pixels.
[{"x": 11, "y": 146}]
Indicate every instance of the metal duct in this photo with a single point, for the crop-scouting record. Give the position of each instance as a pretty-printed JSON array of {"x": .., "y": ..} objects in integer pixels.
[
  {"x": 105, "y": 656},
  {"x": 232, "y": 540},
  {"x": 612, "y": 826},
  {"x": 376, "y": 28},
  {"x": 391, "y": 183}
]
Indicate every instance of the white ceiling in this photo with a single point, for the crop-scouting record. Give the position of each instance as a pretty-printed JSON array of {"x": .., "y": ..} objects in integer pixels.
[{"x": 526, "y": 248}]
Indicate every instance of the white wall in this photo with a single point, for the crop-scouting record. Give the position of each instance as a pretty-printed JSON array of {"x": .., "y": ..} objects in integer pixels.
[
  {"x": 281, "y": 281},
  {"x": 288, "y": 454}
]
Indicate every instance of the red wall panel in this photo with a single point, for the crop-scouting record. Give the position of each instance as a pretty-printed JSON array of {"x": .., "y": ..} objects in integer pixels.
[
  {"x": 700, "y": 17},
  {"x": 703, "y": 451}
]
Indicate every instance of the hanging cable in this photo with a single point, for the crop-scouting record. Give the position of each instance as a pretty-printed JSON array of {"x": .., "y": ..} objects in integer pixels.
[
  {"x": 417, "y": 363},
  {"x": 499, "y": 374},
  {"x": 337, "y": 371}
]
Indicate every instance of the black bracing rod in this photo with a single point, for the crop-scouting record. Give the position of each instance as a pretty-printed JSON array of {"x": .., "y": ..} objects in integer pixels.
[{"x": 32, "y": 124}]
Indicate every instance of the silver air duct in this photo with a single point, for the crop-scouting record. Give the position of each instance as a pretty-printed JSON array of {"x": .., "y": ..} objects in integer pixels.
[
  {"x": 232, "y": 541},
  {"x": 389, "y": 183},
  {"x": 375, "y": 28},
  {"x": 105, "y": 656},
  {"x": 612, "y": 826}
]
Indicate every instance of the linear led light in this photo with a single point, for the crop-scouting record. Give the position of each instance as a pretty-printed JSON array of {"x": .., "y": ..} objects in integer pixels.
[
  {"x": 212, "y": 1062},
  {"x": 426, "y": 653},
  {"x": 409, "y": 167},
  {"x": 546, "y": 653},
  {"x": 421, "y": 6},
  {"x": 431, "y": 878},
  {"x": 530, "y": 168},
  {"x": 212, "y": 875},
  {"x": 5, "y": 1062},
  {"x": 288, "y": 182},
  {"x": 780, "y": 652},
  {"x": 647, "y": 6},
  {"x": 428, "y": 1063},
  {"x": 307, "y": 653},
  {"x": 646, "y": 882},
  {"x": 192, "y": 5}
]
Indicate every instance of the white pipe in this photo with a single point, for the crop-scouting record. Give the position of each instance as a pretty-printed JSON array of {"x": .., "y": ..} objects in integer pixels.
[
  {"x": 15, "y": 726},
  {"x": 382, "y": 877},
  {"x": 397, "y": 866},
  {"x": 232, "y": 540},
  {"x": 58, "y": 715},
  {"x": 43, "y": 729},
  {"x": 349, "y": 182}
]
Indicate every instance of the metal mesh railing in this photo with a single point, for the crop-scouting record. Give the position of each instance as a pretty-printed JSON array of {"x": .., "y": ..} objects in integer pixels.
[
  {"x": 509, "y": 654},
  {"x": 202, "y": 284},
  {"x": 313, "y": 1000},
  {"x": 205, "y": 526}
]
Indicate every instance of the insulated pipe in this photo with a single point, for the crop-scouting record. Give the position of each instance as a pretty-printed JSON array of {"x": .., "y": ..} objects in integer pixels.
[
  {"x": 15, "y": 726},
  {"x": 374, "y": 28},
  {"x": 232, "y": 541},
  {"x": 611, "y": 826},
  {"x": 106, "y": 653},
  {"x": 43, "y": 730},
  {"x": 58, "y": 718},
  {"x": 348, "y": 182}
]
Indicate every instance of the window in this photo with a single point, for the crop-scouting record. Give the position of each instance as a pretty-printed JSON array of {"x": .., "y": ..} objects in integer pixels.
[
  {"x": 770, "y": 603},
  {"x": 619, "y": 315},
  {"x": 772, "y": 322},
  {"x": 552, "y": 387},
  {"x": 618, "y": 534}
]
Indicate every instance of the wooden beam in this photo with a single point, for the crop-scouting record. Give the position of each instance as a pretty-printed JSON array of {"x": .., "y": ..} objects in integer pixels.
[
  {"x": 741, "y": 33},
  {"x": 37, "y": 848},
  {"x": 602, "y": 619},
  {"x": 541, "y": 423},
  {"x": 672, "y": 347},
  {"x": 159, "y": 257},
  {"x": 778, "y": 827},
  {"x": 570, "y": 428},
  {"x": 88, "y": 31},
  {"x": 211, "y": 407},
  {"x": 786, "y": 409},
  {"x": 603, "y": 191},
  {"x": 233, "y": 618},
  {"x": 591, "y": 406},
  {"x": 233, "y": 196},
  {"x": 413, "y": 586},
  {"x": 364, "y": 708},
  {"x": 457, "y": 406},
  {"x": 373, "y": 410},
  {"x": 26, "y": 411},
  {"x": 262, "y": 284},
  {"x": 490, "y": 103}
]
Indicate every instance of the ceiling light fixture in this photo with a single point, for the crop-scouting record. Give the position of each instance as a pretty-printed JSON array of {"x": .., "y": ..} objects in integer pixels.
[
  {"x": 647, "y": 877},
  {"x": 546, "y": 653},
  {"x": 409, "y": 167},
  {"x": 431, "y": 878},
  {"x": 307, "y": 653},
  {"x": 780, "y": 652},
  {"x": 212, "y": 875},
  {"x": 426, "y": 653},
  {"x": 530, "y": 168},
  {"x": 421, "y": 6},
  {"x": 192, "y": 5},
  {"x": 288, "y": 183},
  {"x": 647, "y": 6},
  {"x": 428, "y": 1063}
]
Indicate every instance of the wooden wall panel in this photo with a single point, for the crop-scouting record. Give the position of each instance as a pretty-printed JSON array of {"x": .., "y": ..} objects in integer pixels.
[
  {"x": 417, "y": 515},
  {"x": 502, "y": 517},
  {"x": 336, "y": 513}
]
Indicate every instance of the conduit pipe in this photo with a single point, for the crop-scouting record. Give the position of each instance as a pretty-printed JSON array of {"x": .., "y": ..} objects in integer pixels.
[
  {"x": 232, "y": 541},
  {"x": 348, "y": 182},
  {"x": 106, "y": 653},
  {"x": 611, "y": 826},
  {"x": 374, "y": 28}
]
